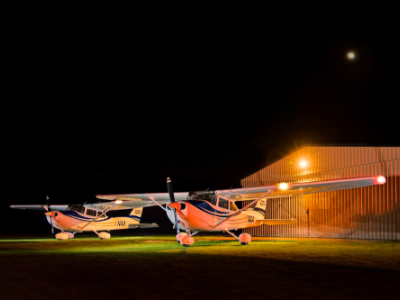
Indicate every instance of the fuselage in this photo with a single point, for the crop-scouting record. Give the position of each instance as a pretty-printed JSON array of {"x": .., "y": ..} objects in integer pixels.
[
  {"x": 201, "y": 215},
  {"x": 76, "y": 221}
]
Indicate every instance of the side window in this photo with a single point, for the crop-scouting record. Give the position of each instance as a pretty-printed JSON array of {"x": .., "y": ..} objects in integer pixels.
[
  {"x": 233, "y": 206},
  {"x": 223, "y": 203},
  {"x": 90, "y": 212}
]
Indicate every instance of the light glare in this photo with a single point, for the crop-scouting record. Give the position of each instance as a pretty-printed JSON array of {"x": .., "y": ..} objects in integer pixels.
[
  {"x": 283, "y": 186},
  {"x": 381, "y": 179},
  {"x": 351, "y": 55},
  {"x": 118, "y": 202},
  {"x": 303, "y": 163}
]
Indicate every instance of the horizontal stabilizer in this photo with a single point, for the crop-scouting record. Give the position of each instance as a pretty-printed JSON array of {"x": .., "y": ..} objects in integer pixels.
[
  {"x": 277, "y": 221},
  {"x": 144, "y": 225}
]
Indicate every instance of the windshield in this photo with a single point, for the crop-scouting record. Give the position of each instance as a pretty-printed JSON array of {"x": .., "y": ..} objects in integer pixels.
[{"x": 204, "y": 195}]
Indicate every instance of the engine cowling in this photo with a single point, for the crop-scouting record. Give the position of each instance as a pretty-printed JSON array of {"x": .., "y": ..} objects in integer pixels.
[{"x": 104, "y": 235}]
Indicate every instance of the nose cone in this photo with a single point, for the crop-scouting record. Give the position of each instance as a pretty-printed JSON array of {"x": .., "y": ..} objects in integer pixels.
[
  {"x": 52, "y": 214},
  {"x": 175, "y": 205}
]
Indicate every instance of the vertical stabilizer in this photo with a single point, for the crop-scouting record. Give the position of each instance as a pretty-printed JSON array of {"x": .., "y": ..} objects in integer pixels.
[
  {"x": 261, "y": 206},
  {"x": 137, "y": 213}
]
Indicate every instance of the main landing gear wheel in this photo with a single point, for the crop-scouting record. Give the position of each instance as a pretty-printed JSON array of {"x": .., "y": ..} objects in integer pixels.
[{"x": 245, "y": 238}]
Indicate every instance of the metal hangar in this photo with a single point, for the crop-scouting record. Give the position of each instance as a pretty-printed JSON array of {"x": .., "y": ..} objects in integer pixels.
[{"x": 361, "y": 213}]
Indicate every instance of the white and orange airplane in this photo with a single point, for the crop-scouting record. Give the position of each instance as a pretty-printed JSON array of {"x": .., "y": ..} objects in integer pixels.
[
  {"x": 202, "y": 211},
  {"x": 76, "y": 218}
]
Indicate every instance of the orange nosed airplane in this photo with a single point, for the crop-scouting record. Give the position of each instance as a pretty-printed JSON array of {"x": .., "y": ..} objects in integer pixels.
[
  {"x": 70, "y": 219},
  {"x": 208, "y": 211}
]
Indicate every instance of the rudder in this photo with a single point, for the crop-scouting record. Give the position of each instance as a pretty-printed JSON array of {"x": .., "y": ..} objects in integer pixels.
[
  {"x": 137, "y": 212},
  {"x": 261, "y": 206}
]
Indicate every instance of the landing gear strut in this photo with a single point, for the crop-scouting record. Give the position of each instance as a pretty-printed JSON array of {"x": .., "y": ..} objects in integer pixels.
[
  {"x": 244, "y": 238},
  {"x": 102, "y": 235}
]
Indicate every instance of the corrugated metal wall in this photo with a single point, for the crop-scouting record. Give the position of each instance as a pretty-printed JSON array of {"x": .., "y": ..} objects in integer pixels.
[{"x": 362, "y": 213}]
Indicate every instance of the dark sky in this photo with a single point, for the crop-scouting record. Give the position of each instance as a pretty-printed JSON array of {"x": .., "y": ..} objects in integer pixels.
[{"x": 117, "y": 106}]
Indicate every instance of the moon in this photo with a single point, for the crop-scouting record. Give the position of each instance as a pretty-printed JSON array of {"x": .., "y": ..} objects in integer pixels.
[{"x": 351, "y": 55}]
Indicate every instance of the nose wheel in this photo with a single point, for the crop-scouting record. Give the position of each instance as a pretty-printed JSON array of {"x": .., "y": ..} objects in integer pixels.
[
  {"x": 179, "y": 236},
  {"x": 186, "y": 239}
]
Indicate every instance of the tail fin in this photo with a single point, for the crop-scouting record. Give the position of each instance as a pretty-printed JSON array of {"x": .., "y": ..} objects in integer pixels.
[
  {"x": 261, "y": 206},
  {"x": 137, "y": 212}
]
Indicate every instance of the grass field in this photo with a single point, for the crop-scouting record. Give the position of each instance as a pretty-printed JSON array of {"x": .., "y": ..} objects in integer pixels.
[{"x": 215, "y": 267}]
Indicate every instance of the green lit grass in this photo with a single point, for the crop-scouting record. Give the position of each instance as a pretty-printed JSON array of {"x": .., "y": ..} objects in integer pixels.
[{"x": 157, "y": 267}]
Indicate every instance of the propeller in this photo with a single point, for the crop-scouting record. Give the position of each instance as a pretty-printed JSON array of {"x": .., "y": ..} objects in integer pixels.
[
  {"x": 172, "y": 199},
  {"x": 49, "y": 210}
]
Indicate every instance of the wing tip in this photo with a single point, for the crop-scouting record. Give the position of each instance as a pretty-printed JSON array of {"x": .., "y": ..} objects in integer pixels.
[{"x": 381, "y": 179}]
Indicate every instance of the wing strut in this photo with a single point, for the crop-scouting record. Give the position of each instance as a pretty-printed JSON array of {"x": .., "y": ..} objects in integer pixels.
[
  {"x": 240, "y": 210},
  {"x": 102, "y": 214},
  {"x": 154, "y": 200}
]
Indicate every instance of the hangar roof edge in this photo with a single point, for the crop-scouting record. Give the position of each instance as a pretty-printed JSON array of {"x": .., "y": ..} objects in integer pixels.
[{"x": 322, "y": 145}]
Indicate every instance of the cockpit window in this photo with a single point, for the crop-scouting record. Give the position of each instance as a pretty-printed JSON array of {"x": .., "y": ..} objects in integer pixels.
[
  {"x": 77, "y": 207},
  {"x": 223, "y": 203},
  {"x": 233, "y": 206},
  {"x": 202, "y": 195},
  {"x": 90, "y": 212},
  {"x": 213, "y": 200}
]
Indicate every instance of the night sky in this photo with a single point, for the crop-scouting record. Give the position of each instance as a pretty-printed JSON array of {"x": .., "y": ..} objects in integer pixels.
[{"x": 115, "y": 107}]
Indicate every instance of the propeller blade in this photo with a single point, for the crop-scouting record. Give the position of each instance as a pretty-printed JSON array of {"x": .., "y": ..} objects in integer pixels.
[
  {"x": 170, "y": 190},
  {"x": 48, "y": 203},
  {"x": 172, "y": 199},
  {"x": 49, "y": 209}
]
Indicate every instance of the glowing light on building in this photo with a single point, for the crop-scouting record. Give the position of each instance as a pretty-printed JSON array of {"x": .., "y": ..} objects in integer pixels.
[
  {"x": 118, "y": 202},
  {"x": 303, "y": 164},
  {"x": 370, "y": 212}
]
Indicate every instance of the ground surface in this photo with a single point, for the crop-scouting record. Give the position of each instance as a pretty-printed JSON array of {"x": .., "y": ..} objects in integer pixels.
[{"x": 215, "y": 267}]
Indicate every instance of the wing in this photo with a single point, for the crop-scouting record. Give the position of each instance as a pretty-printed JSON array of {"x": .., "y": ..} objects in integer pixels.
[
  {"x": 41, "y": 207},
  {"x": 130, "y": 201},
  {"x": 301, "y": 188}
]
